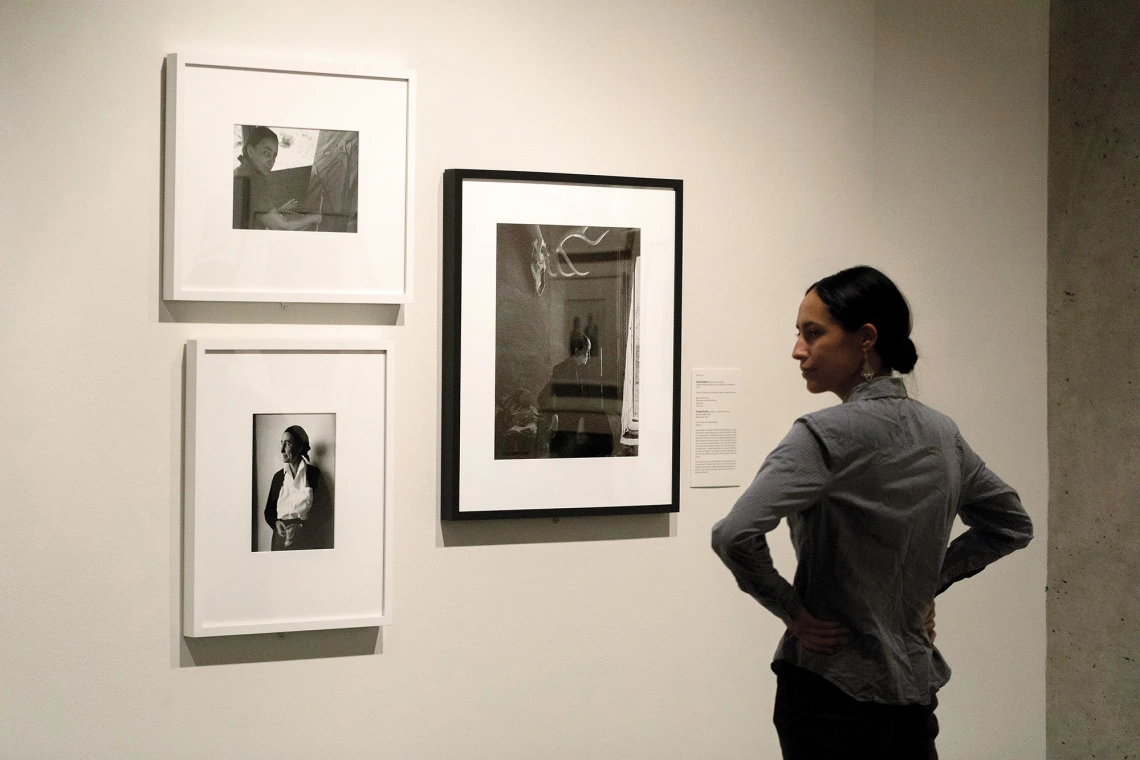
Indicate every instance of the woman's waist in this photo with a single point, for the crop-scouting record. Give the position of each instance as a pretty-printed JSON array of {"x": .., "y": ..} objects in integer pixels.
[
  {"x": 883, "y": 682},
  {"x": 887, "y": 620}
]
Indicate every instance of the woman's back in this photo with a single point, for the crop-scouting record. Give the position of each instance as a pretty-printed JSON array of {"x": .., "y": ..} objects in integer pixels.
[
  {"x": 870, "y": 552},
  {"x": 870, "y": 489}
]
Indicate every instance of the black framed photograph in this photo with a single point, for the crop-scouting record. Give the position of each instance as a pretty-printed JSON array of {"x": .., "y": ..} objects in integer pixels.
[{"x": 561, "y": 344}]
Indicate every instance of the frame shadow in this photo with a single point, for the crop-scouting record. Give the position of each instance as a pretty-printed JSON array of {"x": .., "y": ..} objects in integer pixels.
[
  {"x": 280, "y": 647},
  {"x": 549, "y": 530}
]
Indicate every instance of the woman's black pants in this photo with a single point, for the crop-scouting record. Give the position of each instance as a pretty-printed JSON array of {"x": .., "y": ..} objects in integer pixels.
[{"x": 815, "y": 720}]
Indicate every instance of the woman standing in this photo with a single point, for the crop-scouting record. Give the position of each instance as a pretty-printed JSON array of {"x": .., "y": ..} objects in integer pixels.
[
  {"x": 298, "y": 508},
  {"x": 870, "y": 489}
]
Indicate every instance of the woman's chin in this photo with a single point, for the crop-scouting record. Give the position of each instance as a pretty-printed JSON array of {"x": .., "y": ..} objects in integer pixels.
[{"x": 814, "y": 386}]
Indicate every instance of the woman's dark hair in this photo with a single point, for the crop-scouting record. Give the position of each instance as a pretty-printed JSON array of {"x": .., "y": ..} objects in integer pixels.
[
  {"x": 256, "y": 135},
  {"x": 864, "y": 295},
  {"x": 300, "y": 439}
]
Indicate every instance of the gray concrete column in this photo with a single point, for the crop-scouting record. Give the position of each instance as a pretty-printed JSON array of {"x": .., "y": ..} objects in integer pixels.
[{"x": 1093, "y": 608}]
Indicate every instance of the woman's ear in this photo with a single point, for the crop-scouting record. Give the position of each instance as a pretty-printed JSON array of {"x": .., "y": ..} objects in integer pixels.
[{"x": 868, "y": 336}]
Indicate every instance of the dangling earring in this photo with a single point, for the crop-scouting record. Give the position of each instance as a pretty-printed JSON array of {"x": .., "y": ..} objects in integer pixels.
[{"x": 868, "y": 372}]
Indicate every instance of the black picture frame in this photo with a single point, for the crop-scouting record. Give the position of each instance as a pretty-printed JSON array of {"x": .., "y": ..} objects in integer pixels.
[{"x": 577, "y": 446}]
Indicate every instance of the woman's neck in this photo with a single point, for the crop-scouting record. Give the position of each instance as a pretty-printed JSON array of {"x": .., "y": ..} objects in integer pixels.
[{"x": 845, "y": 394}]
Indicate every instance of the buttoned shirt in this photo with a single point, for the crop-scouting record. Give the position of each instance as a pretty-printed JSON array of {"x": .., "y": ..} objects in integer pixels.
[
  {"x": 295, "y": 500},
  {"x": 870, "y": 489}
]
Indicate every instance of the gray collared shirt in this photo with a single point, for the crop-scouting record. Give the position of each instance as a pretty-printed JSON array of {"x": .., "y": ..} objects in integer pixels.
[{"x": 870, "y": 489}]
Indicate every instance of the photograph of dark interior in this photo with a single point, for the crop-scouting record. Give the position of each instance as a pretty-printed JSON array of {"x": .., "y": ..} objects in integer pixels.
[
  {"x": 295, "y": 179},
  {"x": 294, "y": 472},
  {"x": 566, "y": 341}
]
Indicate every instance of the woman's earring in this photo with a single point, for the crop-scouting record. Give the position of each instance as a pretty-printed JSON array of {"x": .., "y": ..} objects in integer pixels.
[{"x": 868, "y": 372}]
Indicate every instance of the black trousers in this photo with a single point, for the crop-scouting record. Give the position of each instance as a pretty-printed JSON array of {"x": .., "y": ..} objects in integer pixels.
[{"x": 815, "y": 720}]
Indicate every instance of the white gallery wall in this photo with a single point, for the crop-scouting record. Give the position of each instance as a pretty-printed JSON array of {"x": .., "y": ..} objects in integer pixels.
[{"x": 810, "y": 135}]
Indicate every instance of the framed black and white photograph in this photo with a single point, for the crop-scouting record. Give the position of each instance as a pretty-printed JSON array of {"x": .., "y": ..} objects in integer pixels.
[
  {"x": 561, "y": 344},
  {"x": 294, "y": 481},
  {"x": 288, "y": 486},
  {"x": 287, "y": 182},
  {"x": 295, "y": 180}
]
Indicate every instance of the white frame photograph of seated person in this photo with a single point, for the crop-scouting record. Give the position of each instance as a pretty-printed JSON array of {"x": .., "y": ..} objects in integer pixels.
[{"x": 287, "y": 181}]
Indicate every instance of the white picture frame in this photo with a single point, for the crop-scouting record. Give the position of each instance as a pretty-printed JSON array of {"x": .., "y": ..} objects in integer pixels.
[
  {"x": 232, "y": 386},
  {"x": 209, "y": 256}
]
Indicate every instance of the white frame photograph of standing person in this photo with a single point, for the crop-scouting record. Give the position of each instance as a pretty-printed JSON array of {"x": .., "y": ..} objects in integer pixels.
[
  {"x": 561, "y": 356},
  {"x": 287, "y": 181},
  {"x": 302, "y": 430}
]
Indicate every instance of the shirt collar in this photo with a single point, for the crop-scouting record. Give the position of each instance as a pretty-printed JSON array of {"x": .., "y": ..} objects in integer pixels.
[
  {"x": 302, "y": 476},
  {"x": 880, "y": 387}
]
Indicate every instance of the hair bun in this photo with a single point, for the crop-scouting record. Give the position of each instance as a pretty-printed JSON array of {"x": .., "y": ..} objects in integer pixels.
[
  {"x": 863, "y": 295},
  {"x": 903, "y": 356}
]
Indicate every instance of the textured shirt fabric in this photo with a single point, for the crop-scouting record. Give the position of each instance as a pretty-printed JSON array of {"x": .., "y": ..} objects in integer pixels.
[{"x": 870, "y": 489}]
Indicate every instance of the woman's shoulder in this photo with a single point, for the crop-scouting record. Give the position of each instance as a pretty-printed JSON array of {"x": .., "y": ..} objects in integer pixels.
[
  {"x": 930, "y": 414},
  {"x": 831, "y": 425},
  {"x": 876, "y": 421},
  {"x": 836, "y": 417}
]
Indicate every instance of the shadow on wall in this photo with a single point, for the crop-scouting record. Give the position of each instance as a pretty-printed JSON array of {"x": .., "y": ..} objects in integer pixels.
[
  {"x": 279, "y": 647},
  {"x": 546, "y": 530}
]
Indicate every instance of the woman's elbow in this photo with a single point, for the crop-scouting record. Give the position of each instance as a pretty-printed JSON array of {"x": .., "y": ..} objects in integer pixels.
[
  {"x": 273, "y": 221},
  {"x": 723, "y": 537},
  {"x": 1024, "y": 535}
]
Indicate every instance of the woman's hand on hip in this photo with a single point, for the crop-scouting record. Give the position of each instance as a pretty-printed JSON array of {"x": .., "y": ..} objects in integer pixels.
[{"x": 819, "y": 636}]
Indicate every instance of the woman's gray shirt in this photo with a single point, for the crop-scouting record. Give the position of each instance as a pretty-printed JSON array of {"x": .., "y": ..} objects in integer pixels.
[{"x": 870, "y": 489}]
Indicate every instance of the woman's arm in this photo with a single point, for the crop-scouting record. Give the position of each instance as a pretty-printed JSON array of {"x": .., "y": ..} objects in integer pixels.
[
  {"x": 320, "y": 522},
  {"x": 997, "y": 523},
  {"x": 792, "y": 478},
  {"x": 276, "y": 219},
  {"x": 271, "y": 503}
]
